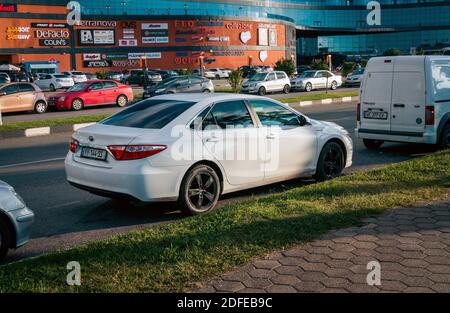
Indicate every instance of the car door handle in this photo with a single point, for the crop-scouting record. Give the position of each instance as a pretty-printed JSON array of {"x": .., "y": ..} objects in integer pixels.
[
  {"x": 212, "y": 139},
  {"x": 399, "y": 105},
  {"x": 369, "y": 103},
  {"x": 271, "y": 136}
]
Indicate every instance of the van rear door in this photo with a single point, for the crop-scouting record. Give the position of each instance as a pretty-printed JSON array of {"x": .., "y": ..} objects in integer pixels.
[{"x": 377, "y": 95}]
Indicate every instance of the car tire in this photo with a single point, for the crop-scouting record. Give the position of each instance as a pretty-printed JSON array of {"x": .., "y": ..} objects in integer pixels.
[
  {"x": 217, "y": 76},
  {"x": 206, "y": 91},
  {"x": 199, "y": 191},
  {"x": 286, "y": 89},
  {"x": 331, "y": 162},
  {"x": 445, "y": 137},
  {"x": 122, "y": 101},
  {"x": 333, "y": 85},
  {"x": 373, "y": 144},
  {"x": 77, "y": 104},
  {"x": 40, "y": 107},
  {"x": 5, "y": 239},
  {"x": 262, "y": 91},
  {"x": 52, "y": 87},
  {"x": 308, "y": 87}
]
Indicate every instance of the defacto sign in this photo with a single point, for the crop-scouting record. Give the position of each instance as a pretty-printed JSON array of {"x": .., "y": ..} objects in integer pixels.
[
  {"x": 59, "y": 34},
  {"x": 8, "y": 7}
]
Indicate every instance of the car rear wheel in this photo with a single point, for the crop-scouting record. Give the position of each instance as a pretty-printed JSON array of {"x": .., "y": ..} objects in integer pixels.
[
  {"x": 52, "y": 87},
  {"x": 333, "y": 85},
  {"x": 206, "y": 91},
  {"x": 445, "y": 137},
  {"x": 373, "y": 144},
  {"x": 77, "y": 104},
  {"x": 286, "y": 89},
  {"x": 122, "y": 101},
  {"x": 217, "y": 76},
  {"x": 40, "y": 107},
  {"x": 200, "y": 190},
  {"x": 331, "y": 162},
  {"x": 262, "y": 91},
  {"x": 308, "y": 87},
  {"x": 5, "y": 239}
]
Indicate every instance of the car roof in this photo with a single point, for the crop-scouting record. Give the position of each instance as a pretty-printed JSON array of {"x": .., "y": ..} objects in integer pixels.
[{"x": 198, "y": 97}]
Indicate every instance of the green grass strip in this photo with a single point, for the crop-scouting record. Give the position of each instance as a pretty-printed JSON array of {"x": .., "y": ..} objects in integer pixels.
[
  {"x": 319, "y": 96},
  {"x": 52, "y": 122},
  {"x": 173, "y": 257}
]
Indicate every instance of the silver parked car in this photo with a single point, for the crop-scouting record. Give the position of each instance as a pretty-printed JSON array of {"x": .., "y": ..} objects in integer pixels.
[
  {"x": 15, "y": 220},
  {"x": 264, "y": 82},
  {"x": 310, "y": 80}
]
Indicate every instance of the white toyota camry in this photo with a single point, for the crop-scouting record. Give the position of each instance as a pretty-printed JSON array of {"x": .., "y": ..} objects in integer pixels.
[{"x": 192, "y": 148}]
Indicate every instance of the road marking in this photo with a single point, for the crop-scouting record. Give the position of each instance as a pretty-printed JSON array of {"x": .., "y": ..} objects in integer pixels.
[
  {"x": 78, "y": 126},
  {"x": 41, "y": 131},
  {"x": 31, "y": 163}
]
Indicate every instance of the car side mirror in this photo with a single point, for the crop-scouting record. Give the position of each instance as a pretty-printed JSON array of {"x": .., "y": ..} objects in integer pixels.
[{"x": 302, "y": 120}]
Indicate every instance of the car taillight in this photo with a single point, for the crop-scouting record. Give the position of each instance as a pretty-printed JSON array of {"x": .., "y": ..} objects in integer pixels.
[
  {"x": 358, "y": 112},
  {"x": 135, "y": 152},
  {"x": 73, "y": 145},
  {"x": 429, "y": 115}
]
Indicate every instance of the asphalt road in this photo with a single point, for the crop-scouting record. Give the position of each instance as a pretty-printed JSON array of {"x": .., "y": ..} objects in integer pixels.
[
  {"x": 66, "y": 216},
  {"x": 109, "y": 109}
]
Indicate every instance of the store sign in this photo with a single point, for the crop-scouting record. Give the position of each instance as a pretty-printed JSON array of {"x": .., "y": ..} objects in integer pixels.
[
  {"x": 17, "y": 33},
  {"x": 128, "y": 42},
  {"x": 263, "y": 36},
  {"x": 148, "y": 40},
  {"x": 96, "y": 37},
  {"x": 97, "y": 23},
  {"x": 185, "y": 60},
  {"x": 49, "y": 25},
  {"x": 263, "y": 55},
  {"x": 272, "y": 37},
  {"x": 114, "y": 56},
  {"x": 154, "y": 26},
  {"x": 245, "y": 36},
  {"x": 92, "y": 64},
  {"x": 238, "y": 25},
  {"x": 227, "y": 53},
  {"x": 220, "y": 39},
  {"x": 54, "y": 34},
  {"x": 53, "y": 42},
  {"x": 155, "y": 33},
  {"x": 8, "y": 7},
  {"x": 141, "y": 55},
  {"x": 91, "y": 56},
  {"x": 125, "y": 63}
]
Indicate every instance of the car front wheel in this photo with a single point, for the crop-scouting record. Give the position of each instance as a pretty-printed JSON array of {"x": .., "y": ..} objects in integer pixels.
[
  {"x": 286, "y": 89},
  {"x": 122, "y": 101},
  {"x": 262, "y": 91},
  {"x": 331, "y": 162},
  {"x": 308, "y": 87},
  {"x": 200, "y": 190},
  {"x": 4, "y": 240},
  {"x": 40, "y": 107},
  {"x": 77, "y": 104},
  {"x": 333, "y": 85}
]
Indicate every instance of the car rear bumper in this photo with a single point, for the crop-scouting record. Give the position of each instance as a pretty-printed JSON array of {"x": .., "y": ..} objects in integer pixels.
[
  {"x": 130, "y": 179},
  {"x": 427, "y": 138}
]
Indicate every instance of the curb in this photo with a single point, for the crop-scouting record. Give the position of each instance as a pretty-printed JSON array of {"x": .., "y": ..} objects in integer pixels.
[
  {"x": 42, "y": 131},
  {"x": 325, "y": 101}
]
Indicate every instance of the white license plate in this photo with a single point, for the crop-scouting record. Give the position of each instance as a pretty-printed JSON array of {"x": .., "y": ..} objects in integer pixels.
[
  {"x": 93, "y": 153},
  {"x": 376, "y": 115}
]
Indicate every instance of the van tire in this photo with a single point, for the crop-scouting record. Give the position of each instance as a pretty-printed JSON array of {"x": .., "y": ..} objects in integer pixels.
[
  {"x": 445, "y": 137},
  {"x": 373, "y": 144},
  {"x": 262, "y": 91}
]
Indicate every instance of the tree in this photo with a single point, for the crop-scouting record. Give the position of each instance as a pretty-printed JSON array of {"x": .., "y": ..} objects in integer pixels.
[
  {"x": 235, "y": 79},
  {"x": 287, "y": 66},
  {"x": 101, "y": 74},
  {"x": 347, "y": 68},
  {"x": 319, "y": 64},
  {"x": 392, "y": 52},
  {"x": 185, "y": 71}
]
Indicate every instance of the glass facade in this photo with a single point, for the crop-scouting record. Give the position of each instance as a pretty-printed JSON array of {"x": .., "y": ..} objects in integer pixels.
[{"x": 337, "y": 26}]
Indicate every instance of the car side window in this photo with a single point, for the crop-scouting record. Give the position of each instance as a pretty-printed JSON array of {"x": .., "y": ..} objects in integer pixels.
[
  {"x": 272, "y": 114},
  {"x": 9, "y": 90},
  {"x": 195, "y": 80},
  {"x": 182, "y": 82},
  {"x": 96, "y": 86},
  {"x": 271, "y": 76},
  {"x": 281, "y": 75},
  {"x": 26, "y": 88},
  {"x": 231, "y": 114},
  {"x": 109, "y": 85}
]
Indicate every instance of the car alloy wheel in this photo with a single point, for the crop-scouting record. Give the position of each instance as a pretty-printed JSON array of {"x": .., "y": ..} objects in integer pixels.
[
  {"x": 52, "y": 87},
  {"x": 200, "y": 190},
  {"x": 286, "y": 89},
  {"x": 331, "y": 162},
  {"x": 333, "y": 85},
  {"x": 40, "y": 107},
  {"x": 262, "y": 91},
  {"x": 77, "y": 104},
  {"x": 308, "y": 87},
  {"x": 122, "y": 101}
]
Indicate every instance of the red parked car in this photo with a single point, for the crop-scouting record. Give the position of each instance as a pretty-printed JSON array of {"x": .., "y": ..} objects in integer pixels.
[{"x": 90, "y": 93}]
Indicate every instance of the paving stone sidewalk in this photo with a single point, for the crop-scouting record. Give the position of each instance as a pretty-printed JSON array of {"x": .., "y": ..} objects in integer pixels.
[{"x": 412, "y": 246}]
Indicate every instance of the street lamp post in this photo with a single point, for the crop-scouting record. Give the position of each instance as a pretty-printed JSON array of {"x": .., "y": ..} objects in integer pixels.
[{"x": 145, "y": 82}]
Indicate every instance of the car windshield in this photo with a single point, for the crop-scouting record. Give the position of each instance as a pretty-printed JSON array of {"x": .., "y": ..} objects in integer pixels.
[
  {"x": 2, "y": 79},
  {"x": 60, "y": 76},
  {"x": 151, "y": 114},
  {"x": 258, "y": 77},
  {"x": 167, "y": 81},
  {"x": 308, "y": 74},
  {"x": 77, "y": 73},
  {"x": 358, "y": 72},
  {"x": 78, "y": 87}
]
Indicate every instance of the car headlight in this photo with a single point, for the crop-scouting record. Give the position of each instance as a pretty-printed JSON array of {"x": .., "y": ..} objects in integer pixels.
[{"x": 61, "y": 98}]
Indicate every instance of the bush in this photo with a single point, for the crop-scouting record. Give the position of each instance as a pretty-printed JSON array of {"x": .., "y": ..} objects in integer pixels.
[
  {"x": 287, "y": 66},
  {"x": 101, "y": 74},
  {"x": 347, "y": 68},
  {"x": 185, "y": 71},
  {"x": 235, "y": 79},
  {"x": 319, "y": 64},
  {"x": 392, "y": 52}
]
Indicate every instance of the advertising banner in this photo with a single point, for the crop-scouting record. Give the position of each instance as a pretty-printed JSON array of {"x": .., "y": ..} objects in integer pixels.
[
  {"x": 155, "y": 33},
  {"x": 96, "y": 37},
  {"x": 101, "y": 63}
]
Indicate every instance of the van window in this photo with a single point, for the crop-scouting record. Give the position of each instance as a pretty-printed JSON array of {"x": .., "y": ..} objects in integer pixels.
[
  {"x": 408, "y": 87},
  {"x": 440, "y": 71},
  {"x": 378, "y": 87}
]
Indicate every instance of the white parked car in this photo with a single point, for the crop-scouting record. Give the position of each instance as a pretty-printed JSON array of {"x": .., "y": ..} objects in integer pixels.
[
  {"x": 216, "y": 73},
  {"x": 54, "y": 81},
  {"x": 310, "y": 80},
  {"x": 78, "y": 77},
  {"x": 192, "y": 148},
  {"x": 354, "y": 79},
  {"x": 5, "y": 77},
  {"x": 405, "y": 99},
  {"x": 264, "y": 82}
]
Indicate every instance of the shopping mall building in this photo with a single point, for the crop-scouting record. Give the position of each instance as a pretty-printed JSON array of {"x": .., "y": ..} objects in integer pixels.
[{"x": 170, "y": 34}]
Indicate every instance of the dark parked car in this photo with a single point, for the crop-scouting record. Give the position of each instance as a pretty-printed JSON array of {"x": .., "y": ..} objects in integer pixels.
[
  {"x": 137, "y": 78},
  {"x": 180, "y": 84},
  {"x": 303, "y": 68},
  {"x": 166, "y": 74},
  {"x": 248, "y": 71}
]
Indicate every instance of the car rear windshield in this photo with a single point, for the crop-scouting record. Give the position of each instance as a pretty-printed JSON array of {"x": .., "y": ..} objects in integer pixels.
[
  {"x": 61, "y": 76},
  {"x": 152, "y": 114}
]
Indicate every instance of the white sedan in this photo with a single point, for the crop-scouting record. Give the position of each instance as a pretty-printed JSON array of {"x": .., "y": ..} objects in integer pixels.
[
  {"x": 310, "y": 80},
  {"x": 216, "y": 73},
  {"x": 54, "y": 81},
  {"x": 192, "y": 148}
]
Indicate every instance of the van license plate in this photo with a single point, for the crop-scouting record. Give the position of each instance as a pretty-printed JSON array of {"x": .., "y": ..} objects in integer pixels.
[
  {"x": 376, "y": 115},
  {"x": 93, "y": 153}
]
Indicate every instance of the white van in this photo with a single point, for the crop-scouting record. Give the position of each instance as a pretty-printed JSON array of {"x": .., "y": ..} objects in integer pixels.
[{"x": 405, "y": 99}]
